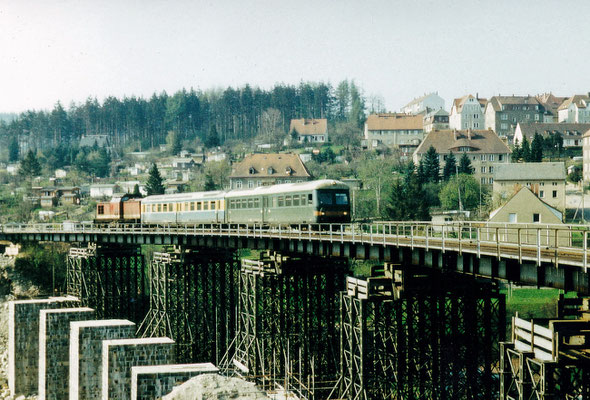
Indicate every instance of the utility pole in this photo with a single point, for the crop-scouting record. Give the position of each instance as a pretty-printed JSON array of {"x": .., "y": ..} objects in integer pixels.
[{"x": 459, "y": 188}]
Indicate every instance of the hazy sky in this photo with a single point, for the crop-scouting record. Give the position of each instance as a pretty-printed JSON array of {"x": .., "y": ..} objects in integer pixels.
[{"x": 68, "y": 50}]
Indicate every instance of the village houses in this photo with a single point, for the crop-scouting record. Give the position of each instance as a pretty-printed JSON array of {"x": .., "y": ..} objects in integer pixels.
[
  {"x": 575, "y": 109},
  {"x": 571, "y": 134},
  {"x": 503, "y": 113}
]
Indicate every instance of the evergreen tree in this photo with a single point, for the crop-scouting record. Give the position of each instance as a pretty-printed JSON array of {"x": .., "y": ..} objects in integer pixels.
[
  {"x": 525, "y": 150},
  {"x": 29, "y": 166},
  {"x": 136, "y": 192},
  {"x": 431, "y": 167},
  {"x": 154, "y": 183},
  {"x": 420, "y": 172},
  {"x": 13, "y": 150},
  {"x": 407, "y": 200},
  {"x": 537, "y": 148},
  {"x": 465, "y": 165},
  {"x": 450, "y": 167},
  {"x": 516, "y": 153},
  {"x": 212, "y": 139}
]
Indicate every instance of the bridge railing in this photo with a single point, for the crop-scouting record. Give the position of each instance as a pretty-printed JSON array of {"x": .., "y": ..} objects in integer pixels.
[{"x": 530, "y": 241}]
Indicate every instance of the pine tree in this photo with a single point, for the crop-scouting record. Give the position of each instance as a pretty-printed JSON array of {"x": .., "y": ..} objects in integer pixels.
[
  {"x": 13, "y": 150},
  {"x": 212, "y": 139},
  {"x": 431, "y": 167},
  {"x": 154, "y": 183},
  {"x": 465, "y": 165},
  {"x": 29, "y": 166},
  {"x": 537, "y": 148},
  {"x": 525, "y": 150},
  {"x": 450, "y": 167},
  {"x": 516, "y": 153}
]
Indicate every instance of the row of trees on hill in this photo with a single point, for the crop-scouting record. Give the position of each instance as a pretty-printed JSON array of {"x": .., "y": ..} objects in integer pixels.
[
  {"x": 551, "y": 145},
  {"x": 225, "y": 114}
]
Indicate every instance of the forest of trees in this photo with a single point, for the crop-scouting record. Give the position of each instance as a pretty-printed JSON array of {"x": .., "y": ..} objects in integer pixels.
[{"x": 212, "y": 116}]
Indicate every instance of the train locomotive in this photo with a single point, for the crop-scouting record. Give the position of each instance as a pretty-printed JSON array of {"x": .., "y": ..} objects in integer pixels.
[{"x": 313, "y": 202}]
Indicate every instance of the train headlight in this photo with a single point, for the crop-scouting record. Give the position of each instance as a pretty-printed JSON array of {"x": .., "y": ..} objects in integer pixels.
[
  {"x": 345, "y": 213},
  {"x": 323, "y": 213}
]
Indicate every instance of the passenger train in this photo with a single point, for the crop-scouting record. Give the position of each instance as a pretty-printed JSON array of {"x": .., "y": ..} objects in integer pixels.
[{"x": 321, "y": 201}]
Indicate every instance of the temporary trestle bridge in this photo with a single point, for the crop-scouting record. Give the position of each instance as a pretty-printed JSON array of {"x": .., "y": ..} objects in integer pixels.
[{"x": 283, "y": 308}]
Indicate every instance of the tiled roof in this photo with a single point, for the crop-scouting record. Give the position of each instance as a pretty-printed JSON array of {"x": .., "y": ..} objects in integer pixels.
[
  {"x": 529, "y": 129},
  {"x": 479, "y": 142},
  {"x": 460, "y": 102},
  {"x": 581, "y": 100},
  {"x": 526, "y": 192},
  {"x": 394, "y": 121},
  {"x": 498, "y": 101},
  {"x": 312, "y": 126},
  {"x": 259, "y": 165},
  {"x": 529, "y": 171}
]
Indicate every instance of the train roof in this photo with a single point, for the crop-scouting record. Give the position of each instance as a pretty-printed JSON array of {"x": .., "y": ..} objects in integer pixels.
[
  {"x": 290, "y": 187},
  {"x": 214, "y": 195}
]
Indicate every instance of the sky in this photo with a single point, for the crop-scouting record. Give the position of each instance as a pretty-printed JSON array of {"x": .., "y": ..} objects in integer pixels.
[{"x": 69, "y": 50}]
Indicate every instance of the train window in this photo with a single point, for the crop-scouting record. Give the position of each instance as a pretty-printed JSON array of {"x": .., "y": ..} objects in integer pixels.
[
  {"x": 185, "y": 206},
  {"x": 281, "y": 201},
  {"x": 159, "y": 207},
  {"x": 170, "y": 207},
  {"x": 288, "y": 201},
  {"x": 325, "y": 198},
  {"x": 244, "y": 203},
  {"x": 274, "y": 202},
  {"x": 213, "y": 205},
  {"x": 296, "y": 200},
  {"x": 165, "y": 208},
  {"x": 100, "y": 210},
  {"x": 310, "y": 199},
  {"x": 199, "y": 206},
  {"x": 205, "y": 205},
  {"x": 341, "y": 198},
  {"x": 192, "y": 206},
  {"x": 256, "y": 203},
  {"x": 250, "y": 203}
]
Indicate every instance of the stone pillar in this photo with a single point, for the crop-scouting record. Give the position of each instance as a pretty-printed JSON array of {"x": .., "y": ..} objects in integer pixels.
[
  {"x": 23, "y": 341},
  {"x": 54, "y": 349},
  {"x": 86, "y": 354},
  {"x": 118, "y": 356},
  {"x": 155, "y": 381}
]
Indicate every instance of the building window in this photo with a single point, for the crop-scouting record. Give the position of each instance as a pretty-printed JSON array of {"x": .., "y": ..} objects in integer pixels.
[
  {"x": 536, "y": 217},
  {"x": 482, "y": 157},
  {"x": 491, "y": 180},
  {"x": 475, "y": 116},
  {"x": 512, "y": 218},
  {"x": 250, "y": 184},
  {"x": 503, "y": 126},
  {"x": 554, "y": 193},
  {"x": 536, "y": 117},
  {"x": 491, "y": 170},
  {"x": 501, "y": 157},
  {"x": 541, "y": 194},
  {"x": 238, "y": 184},
  {"x": 483, "y": 170},
  {"x": 504, "y": 117},
  {"x": 483, "y": 181},
  {"x": 554, "y": 183}
]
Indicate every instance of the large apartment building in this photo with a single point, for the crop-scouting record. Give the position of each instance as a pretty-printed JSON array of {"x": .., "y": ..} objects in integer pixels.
[
  {"x": 424, "y": 104},
  {"x": 503, "y": 113},
  {"x": 483, "y": 147},
  {"x": 467, "y": 113},
  {"x": 401, "y": 131}
]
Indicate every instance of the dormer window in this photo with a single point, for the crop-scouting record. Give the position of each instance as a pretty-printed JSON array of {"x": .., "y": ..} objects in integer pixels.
[
  {"x": 288, "y": 170},
  {"x": 271, "y": 170},
  {"x": 252, "y": 171}
]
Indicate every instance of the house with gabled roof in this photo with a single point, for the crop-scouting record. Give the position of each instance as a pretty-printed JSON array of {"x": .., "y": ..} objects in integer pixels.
[
  {"x": 268, "y": 169},
  {"x": 571, "y": 134},
  {"x": 467, "y": 113},
  {"x": 545, "y": 179},
  {"x": 575, "y": 109},
  {"x": 312, "y": 130},
  {"x": 483, "y": 147},
  {"x": 392, "y": 130},
  {"x": 530, "y": 213},
  {"x": 438, "y": 120},
  {"x": 503, "y": 113},
  {"x": 550, "y": 104}
]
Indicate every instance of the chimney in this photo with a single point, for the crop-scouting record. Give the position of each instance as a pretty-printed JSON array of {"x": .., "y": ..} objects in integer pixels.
[
  {"x": 476, "y": 95},
  {"x": 454, "y": 134},
  {"x": 469, "y": 133}
]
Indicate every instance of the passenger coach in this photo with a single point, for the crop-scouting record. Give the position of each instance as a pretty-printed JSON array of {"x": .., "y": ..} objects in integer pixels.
[
  {"x": 322, "y": 201},
  {"x": 183, "y": 208}
]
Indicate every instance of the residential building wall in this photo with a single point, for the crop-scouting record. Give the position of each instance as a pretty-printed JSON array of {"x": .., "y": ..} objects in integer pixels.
[
  {"x": 431, "y": 101},
  {"x": 470, "y": 116},
  {"x": 502, "y": 117},
  {"x": 550, "y": 191}
]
